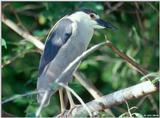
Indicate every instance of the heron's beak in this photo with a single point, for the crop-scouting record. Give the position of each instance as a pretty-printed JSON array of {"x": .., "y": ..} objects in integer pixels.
[{"x": 105, "y": 24}]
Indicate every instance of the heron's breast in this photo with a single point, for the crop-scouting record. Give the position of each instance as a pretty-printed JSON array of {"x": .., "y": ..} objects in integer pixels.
[{"x": 84, "y": 34}]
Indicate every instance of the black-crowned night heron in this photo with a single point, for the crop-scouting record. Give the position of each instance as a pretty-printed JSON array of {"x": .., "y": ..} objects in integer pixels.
[{"x": 68, "y": 39}]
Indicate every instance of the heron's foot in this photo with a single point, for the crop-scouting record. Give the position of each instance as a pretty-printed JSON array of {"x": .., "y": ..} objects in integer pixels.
[
  {"x": 63, "y": 114},
  {"x": 72, "y": 108}
]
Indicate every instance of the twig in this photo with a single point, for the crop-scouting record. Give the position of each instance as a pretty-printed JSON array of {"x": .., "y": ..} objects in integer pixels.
[
  {"x": 29, "y": 7},
  {"x": 114, "y": 8},
  {"x": 88, "y": 85},
  {"x": 141, "y": 101},
  {"x": 6, "y": 114},
  {"x": 154, "y": 104},
  {"x": 139, "y": 17},
  {"x": 120, "y": 109},
  {"x": 9, "y": 61},
  {"x": 150, "y": 75},
  {"x": 22, "y": 33},
  {"x": 127, "y": 59},
  {"x": 129, "y": 112},
  {"x": 140, "y": 22},
  {"x": 20, "y": 22},
  {"x": 153, "y": 7},
  {"x": 126, "y": 113},
  {"x": 116, "y": 98},
  {"x": 21, "y": 95}
]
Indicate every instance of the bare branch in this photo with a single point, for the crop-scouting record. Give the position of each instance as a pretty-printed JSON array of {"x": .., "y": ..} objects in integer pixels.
[
  {"x": 154, "y": 104},
  {"x": 9, "y": 61},
  {"x": 114, "y": 8},
  {"x": 88, "y": 85},
  {"x": 22, "y": 33},
  {"x": 21, "y": 95},
  {"x": 128, "y": 108},
  {"x": 28, "y": 7},
  {"x": 116, "y": 98},
  {"x": 127, "y": 59},
  {"x": 6, "y": 114}
]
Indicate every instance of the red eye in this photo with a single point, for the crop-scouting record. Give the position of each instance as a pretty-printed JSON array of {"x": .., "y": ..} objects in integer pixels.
[{"x": 92, "y": 16}]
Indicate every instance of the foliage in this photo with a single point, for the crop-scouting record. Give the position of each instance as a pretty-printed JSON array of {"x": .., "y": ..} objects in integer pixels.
[{"x": 137, "y": 36}]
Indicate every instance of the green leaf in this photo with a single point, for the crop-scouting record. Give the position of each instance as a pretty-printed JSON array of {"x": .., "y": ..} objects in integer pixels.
[
  {"x": 4, "y": 43},
  {"x": 40, "y": 33},
  {"x": 42, "y": 19},
  {"x": 30, "y": 111}
]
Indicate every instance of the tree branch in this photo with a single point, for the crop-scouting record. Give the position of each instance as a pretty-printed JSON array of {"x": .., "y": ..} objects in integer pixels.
[
  {"x": 21, "y": 95},
  {"x": 6, "y": 114},
  {"x": 88, "y": 85},
  {"x": 114, "y": 8},
  {"x": 127, "y": 59},
  {"x": 26, "y": 35},
  {"x": 115, "y": 98}
]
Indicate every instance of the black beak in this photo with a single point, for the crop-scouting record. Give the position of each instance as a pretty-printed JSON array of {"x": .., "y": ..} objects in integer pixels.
[{"x": 105, "y": 24}]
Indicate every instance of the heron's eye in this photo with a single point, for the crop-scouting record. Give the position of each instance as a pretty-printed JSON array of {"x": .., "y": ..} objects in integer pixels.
[{"x": 92, "y": 16}]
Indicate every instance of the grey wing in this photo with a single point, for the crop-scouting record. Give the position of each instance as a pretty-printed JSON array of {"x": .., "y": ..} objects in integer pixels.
[{"x": 56, "y": 39}]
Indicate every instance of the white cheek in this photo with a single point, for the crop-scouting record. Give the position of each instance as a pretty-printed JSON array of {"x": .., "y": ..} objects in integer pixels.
[{"x": 92, "y": 23}]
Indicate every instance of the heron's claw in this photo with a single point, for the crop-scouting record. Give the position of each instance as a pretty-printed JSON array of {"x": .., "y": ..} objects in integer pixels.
[
  {"x": 62, "y": 114},
  {"x": 71, "y": 109}
]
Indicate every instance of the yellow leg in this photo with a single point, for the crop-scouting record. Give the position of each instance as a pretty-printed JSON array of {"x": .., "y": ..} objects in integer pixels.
[
  {"x": 72, "y": 105},
  {"x": 61, "y": 100}
]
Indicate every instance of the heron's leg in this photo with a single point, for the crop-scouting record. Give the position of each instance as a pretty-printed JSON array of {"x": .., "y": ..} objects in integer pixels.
[
  {"x": 77, "y": 96},
  {"x": 72, "y": 104},
  {"x": 61, "y": 100}
]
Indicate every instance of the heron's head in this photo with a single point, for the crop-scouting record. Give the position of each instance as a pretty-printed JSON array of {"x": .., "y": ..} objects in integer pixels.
[{"x": 92, "y": 19}]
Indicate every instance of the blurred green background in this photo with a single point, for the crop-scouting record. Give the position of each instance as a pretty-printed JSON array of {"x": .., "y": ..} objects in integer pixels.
[{"x": 137, "y": 36}]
